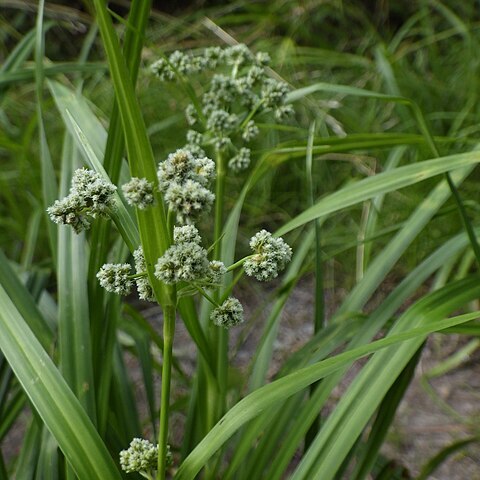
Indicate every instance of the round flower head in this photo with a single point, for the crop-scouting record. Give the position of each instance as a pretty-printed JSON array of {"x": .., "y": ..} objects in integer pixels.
[
  {"x": 204, "y": 169},
  {"x": 185, "y": 262},
  {"x": 141, "y": 456},
  {"x": 274, "y": 93},
  {"x": 96, "y": 192},
  {"x": 89, "y": 194},
  {"x": 162, "y": 69},
  {"x": 221, "y": 121},
  {"x": 186, "y": 234},
  {"x": 115, "y": 278},
  {"x": 283, "y": 112},
  {"x": 250, "y": 131},
  {"x": 194, "y": 142},
  {"x": 177, "y": 167},
  {"x": 238, "y": 54},
  {"x": 213, "y": 56},
  {"x": 139, "y": 193},
  {"x": 191, "y": 115},
  {"x": 229, "y": 314},
  {"x": 216, "y": 271},
  {"x": 270, "y": 256},
  {"x": 67, "y": 211},
  {"x": 241, "y": 161},
  {"x": 145, "y": 291},
  {"x": 182, "y": 166},
  {"x": 189, "y": 200}
]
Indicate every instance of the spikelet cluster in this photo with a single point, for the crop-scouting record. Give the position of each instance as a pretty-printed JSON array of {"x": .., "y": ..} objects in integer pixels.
[
  {"x": 270, "y": 255},
  {"x": 183, "y": 179},
  {"x": 114, "y": 278},
  {"x": 141, "y": 456},
  {"x": 144, "y": 289},
  {"x": 187, "y": 261},
  {"x": 239, "y": 90},
  {"x": 90, "y": 196},
  {"x": 139, "y": 193},
  {"x": 228, "y": 314}
]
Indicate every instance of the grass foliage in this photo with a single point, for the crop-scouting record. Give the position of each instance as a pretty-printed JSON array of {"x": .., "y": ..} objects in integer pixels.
[{"x": 372, "y": 183}]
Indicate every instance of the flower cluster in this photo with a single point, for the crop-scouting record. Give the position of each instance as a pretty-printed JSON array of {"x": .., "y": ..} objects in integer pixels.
[
  {"x": 186, "y": 260},
  {"x": 139, "y": 193},
  {"x": 90, "y": 195},
  {"x": 183, "y": 178},
  {"x": 241, "y": 160},
  {"x": 141, "y": 456},
  {"x": 144, "y": 289},
  {"x": 228, "y": 314},
  {"x": 115, "y": 278},
  {"x": 232, "y": 102},
  {"x": 269, "y": 258}
]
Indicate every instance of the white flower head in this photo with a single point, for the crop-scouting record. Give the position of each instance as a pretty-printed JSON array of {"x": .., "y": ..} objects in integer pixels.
[
  {"x": 186, "y": 234},
  {"x": 184, "y": 262},
  {"x": 139, "y": 193},
  {"x": 270, "y": 256},
  {"x": 240, "y": 161},
  {"x": 250, "y": 131},
  {"x": 144, "y": 289},
  {"x": 141, "y": 456},
  {"x": 189, "y": 200},
  {"x": 90, "y": 195},
  {"x": 229, "y": 314},
  {"x": 216, "y": 271},
  {"x": 114, "y": 278}
]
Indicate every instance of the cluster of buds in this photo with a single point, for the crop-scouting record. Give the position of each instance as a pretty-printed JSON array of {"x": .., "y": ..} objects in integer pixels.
[
  {"x": 228, "y": 314},
  {"x": 270, "y": 255},
  {"x": 232, "y": 102},
  {"x": 142, "y": 457},
  {"x": 90, "y": 195},
  {"x": 183, "y": 179},
  {"x": 139, "y": 193},
  {"x": 186, "y": 260}
]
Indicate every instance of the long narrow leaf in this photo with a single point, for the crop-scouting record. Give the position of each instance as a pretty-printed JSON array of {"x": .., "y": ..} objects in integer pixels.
[{"x": 51, "y": 397}]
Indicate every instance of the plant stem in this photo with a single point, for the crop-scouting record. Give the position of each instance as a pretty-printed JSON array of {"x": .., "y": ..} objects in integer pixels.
[
  {"x": 220, "y": 334},
  {"x": 168, "y": 334}
]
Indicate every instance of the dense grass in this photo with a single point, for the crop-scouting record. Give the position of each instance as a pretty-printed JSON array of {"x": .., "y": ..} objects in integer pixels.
[{"x": 372, "y": 180}]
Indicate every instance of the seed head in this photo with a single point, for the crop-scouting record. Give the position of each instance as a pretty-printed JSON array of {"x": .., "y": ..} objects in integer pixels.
[
  {"x": 90, "y": 195},
  {"x": 185, "y": 262},
  {"x": 141, "y": 456},
  {"x": 229, "y": 314},
  {"x": 216, "y": 271},
  {"x": 144, "y": 289},
  {"x": 241, "y": 161},
  {"x": 250, "y": 131},
  {"x": 114, "y": 278},
  {"x": 186, "y": 234},
  {"x": 270, "y": 256},
  {"x": 139, "y": 193},
  {"x": 189, "y": 200}
]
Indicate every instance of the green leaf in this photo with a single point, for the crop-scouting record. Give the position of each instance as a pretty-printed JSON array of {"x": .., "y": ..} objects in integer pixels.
[
  {"x": 52, "y": 399},
  {"x": 382, "y": 183}
]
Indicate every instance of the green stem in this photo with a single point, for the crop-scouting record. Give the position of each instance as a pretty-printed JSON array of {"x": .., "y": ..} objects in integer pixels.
[
  {"x": 221, "y": 333},
  {"x": 170, "y": 223},
  {"x": 219, "y": 201},
  {"x": 235, "y": 265},
  {"x": 168, "y": 334},
  {"x": 206, "y": 295}
]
